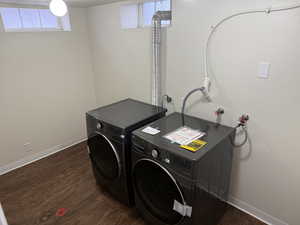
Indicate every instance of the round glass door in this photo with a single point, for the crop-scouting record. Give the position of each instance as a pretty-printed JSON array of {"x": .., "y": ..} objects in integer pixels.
[
  {"x": 104, "y": 156},
  {"x": 157, "y": 189}
]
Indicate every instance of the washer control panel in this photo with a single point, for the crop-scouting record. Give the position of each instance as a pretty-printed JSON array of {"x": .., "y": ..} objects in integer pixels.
[{"x": 162, "y": 156}]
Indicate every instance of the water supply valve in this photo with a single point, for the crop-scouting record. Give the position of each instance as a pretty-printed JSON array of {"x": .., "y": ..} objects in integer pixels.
[
  {"x": 168, "y": 98},
  {"x": 206, "y": 88},
  {"x": 219, "y": 112},
  {"x": 207, "y": 84},
  {"x": 243, "y": 120}
]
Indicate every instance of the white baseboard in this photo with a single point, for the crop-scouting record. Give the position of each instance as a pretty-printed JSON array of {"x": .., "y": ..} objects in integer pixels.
[
  {"x": 3, "y": 220},
  {"x": 37, "y": 156},
  {"x": 257, "y": 213}
]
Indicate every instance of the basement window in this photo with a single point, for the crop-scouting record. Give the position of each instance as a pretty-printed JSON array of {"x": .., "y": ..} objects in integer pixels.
[
  {"x": 138, "y": 15},
  {"x": 150, "y": 8},
  {"x": 129, "y": 16},
  {"x": 30, "y": 20}
]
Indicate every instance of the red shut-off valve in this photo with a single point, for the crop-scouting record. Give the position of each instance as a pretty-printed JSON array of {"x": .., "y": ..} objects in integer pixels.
[
  {"x": 219, "y": 112},
  {"x": 243, "y": 120}
]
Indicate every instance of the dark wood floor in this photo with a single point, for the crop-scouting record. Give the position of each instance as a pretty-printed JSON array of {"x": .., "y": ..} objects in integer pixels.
[{"x": 32, "y": 195}]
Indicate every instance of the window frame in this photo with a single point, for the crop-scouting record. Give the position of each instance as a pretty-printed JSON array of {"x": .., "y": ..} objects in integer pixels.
[
  {"x": 141, "y": 13},
  {"x": 140, "y": 19},
  {"x": 130, "y": 3},
  {"x": 60, "y": 27}
]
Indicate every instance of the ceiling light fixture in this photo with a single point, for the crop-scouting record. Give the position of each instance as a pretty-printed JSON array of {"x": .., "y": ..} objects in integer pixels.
[{"x": 58, "y": 8}]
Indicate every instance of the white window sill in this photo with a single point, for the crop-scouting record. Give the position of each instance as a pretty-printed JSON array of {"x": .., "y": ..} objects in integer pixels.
[{"x": 34, "y": 30}]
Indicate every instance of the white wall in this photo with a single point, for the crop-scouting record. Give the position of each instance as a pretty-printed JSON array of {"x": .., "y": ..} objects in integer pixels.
[
  {"x": 266, "y": 173},
  {"x": 46, "y": 86},
  {"x": 122, "y": 60}
]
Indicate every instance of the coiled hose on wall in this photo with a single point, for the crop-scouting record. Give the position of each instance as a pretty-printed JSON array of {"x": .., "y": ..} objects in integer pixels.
[{"x": 239, "y": 145}]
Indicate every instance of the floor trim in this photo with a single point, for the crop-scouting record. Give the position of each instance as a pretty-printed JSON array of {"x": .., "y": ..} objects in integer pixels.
[
  {"x": 37, "y": 156},
  {"x": 3, "y": 220},
  {"x": 255, "y": 212}
]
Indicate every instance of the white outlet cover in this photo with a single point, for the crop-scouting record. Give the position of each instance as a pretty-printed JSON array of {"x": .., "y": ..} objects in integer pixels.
[{"x": 264, "y": 70}]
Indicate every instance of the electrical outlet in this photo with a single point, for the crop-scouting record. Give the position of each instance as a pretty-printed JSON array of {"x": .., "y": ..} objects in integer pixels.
[
  {"x": 264, "y": 70},
  {"x": 27, "y": 147}
]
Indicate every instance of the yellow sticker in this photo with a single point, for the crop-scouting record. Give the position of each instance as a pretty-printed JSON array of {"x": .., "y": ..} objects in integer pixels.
[{"x": 194, "y": 145}]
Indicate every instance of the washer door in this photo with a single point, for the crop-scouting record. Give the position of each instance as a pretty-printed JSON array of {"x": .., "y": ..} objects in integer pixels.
[
  {"x": 157, "y": 189},
  {"x": 104, "y": 156}
]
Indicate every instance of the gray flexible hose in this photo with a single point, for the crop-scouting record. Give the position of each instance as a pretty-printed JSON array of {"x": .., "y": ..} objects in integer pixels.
[{"x": 185, "y": 99}]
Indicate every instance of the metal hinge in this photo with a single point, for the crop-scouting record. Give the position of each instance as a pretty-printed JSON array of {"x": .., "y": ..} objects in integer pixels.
[{"x": 183, "y": 210}]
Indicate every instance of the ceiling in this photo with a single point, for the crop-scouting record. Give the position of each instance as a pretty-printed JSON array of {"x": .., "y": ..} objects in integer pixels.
[{"x": 75, "y": 3}]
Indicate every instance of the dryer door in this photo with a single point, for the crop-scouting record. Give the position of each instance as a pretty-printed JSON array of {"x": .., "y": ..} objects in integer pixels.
[
  {"x": 104, "y": 156},
  {"x": 157, "y": 190}
]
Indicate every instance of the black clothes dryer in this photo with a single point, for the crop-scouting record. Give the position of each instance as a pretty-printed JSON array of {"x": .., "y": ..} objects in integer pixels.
[
  {"x": 109, "y": 132},
  {"x": 176, "y": 186}
]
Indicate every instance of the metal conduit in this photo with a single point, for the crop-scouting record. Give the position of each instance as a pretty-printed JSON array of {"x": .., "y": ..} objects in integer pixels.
[{"x": 156, "y": 91}]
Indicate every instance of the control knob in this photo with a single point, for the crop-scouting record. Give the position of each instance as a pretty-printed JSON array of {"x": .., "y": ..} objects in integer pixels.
[
  {"x": 154, "y": 153},
  {"x": 99, "y": 125}
]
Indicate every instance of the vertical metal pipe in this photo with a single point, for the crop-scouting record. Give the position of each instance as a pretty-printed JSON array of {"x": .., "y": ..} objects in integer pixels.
[{"x": 156, "y": 55}]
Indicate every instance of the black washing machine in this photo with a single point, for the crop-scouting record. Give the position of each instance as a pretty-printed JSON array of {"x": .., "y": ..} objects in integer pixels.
[
  {"x": 176, "y": 186},
  {"x": 109, "y": 132}
]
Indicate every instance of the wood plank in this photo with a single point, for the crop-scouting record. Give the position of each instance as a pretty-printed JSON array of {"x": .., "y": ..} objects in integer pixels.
[{"x": 32, "y": 195}]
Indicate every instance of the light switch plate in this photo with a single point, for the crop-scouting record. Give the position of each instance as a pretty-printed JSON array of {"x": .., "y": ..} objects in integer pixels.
[{"x": 264, "y": 70}]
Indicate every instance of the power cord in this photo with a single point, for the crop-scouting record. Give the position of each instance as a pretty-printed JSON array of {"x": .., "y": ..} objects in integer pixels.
[{"x": 167, "y": 98}]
